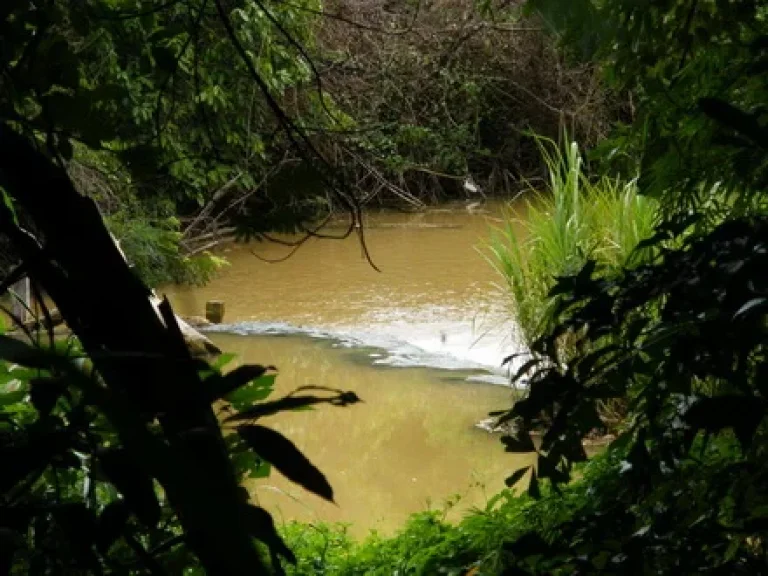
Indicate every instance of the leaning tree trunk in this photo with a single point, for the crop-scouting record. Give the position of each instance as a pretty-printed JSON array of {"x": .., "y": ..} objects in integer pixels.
[{"x": 143, "y": 361}]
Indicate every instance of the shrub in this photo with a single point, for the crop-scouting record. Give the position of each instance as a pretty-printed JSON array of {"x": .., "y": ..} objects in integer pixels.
[
  {"x": 576, "y": 219},
  {"x": 429, "y": 545}
]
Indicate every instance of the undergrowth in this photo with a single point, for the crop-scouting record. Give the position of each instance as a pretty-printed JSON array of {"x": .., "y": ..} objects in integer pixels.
[{"x": 429, "y": 545}]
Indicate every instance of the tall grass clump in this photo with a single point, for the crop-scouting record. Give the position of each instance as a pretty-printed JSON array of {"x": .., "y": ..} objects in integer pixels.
[{"x": 558, "y": 229}]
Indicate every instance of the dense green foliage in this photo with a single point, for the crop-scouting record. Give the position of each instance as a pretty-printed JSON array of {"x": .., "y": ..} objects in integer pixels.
[
  {"x": 688, "y": 64},
  {"x": 108, "y": 441},
  {"x": 483, "y": 542},
  {"x": 557, "y": 231},
  {"x": 203, "y": 129},
  {"x": 161, "y": 111},
  {"x": 681, "y": 338},
  {"x": 98, "y": 455},
  {"x": 679, "y": 335},
  {"x": 444, "y": 90},
  {"x": 74, "y": 497}
]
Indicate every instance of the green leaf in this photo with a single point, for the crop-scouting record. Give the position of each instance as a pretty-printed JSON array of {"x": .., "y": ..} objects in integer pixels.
[
  {"x": 512, "y": 480},
  {"x": 223, "y": 360},
  {"x": 8, "y": 398},
  {"x": 238, "y": 378},
  {"x": 244, "y": 460},
  {"x": 247, "y": 392},
  {"x": 136, "y": 487},
  {"x": 283, "y": 455},
  {"x": 168, "y": 32}
]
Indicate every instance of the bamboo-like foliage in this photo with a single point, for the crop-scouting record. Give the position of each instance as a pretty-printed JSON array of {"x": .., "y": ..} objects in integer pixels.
[{"x": 557, "y": 230}]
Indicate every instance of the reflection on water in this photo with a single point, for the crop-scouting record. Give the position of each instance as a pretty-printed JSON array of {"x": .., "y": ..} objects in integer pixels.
[
  {"x": 410, "y": 442},
  {"x": 433, "y": 305}
]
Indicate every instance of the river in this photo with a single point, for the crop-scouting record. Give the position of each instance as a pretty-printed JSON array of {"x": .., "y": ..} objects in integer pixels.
[{"x": 421, "y": 343}]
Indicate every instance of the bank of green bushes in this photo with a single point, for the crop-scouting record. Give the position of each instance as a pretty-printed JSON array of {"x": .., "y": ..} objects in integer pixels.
[
  {"x": 487, "y": 540},
  {"x": 428, "y": 544}
]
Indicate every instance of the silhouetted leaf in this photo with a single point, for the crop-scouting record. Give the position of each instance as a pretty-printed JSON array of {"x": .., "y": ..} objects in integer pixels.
[
  {"x": 283, "y": 455},
  {"x": 11, "y": 541},
  {"x": 520, "y": 443},
  {"x": 533, "y": 486},
  {"x": 112, "y": 522},
  {"x": 66, "y": 461},
  {"x": 512, "y": 480},
  {"x": 165, "y": 59},
  {"x": 741, "y": 413},
  {"x": 44, "y": 392},
  {"x": 522, "y": 372},
  {"x": 136, "y": 487},
  {"x": 64, "y": 146},
  {"x": 742, "y": 122},
  {"x": 529, "y": 544},
  {"x": 262, "y": 527},
  {"x": 293, "y": 403},
  {"x": 78, "y": 524},
  {"x": 18, "y": 352},
  {"x": 244, "y": 384},
  {"x": 547, "y": 468}
]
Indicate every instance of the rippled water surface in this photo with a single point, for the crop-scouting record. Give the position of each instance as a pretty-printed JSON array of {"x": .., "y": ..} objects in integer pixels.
[{"x": 421, "y": 342}]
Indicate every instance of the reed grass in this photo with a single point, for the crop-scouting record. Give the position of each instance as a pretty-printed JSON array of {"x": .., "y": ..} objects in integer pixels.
[{"x": 558, "y": 229}]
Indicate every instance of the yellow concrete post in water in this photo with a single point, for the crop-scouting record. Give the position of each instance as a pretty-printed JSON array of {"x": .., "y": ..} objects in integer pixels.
[{"x": 214, "y": 311}]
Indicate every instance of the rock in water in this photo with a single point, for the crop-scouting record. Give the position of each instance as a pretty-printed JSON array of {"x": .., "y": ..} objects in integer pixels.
[{"x": 198, "y": 344}]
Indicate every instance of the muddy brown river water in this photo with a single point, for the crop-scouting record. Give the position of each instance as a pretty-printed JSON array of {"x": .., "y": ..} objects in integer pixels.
[{"x": 420, "y": 342}]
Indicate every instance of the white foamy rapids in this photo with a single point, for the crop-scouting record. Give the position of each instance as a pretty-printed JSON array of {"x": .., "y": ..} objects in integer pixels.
[{"x": 442, "y": 345}]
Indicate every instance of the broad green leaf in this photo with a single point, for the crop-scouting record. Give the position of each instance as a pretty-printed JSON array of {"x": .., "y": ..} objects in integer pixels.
[
  {"x": 247, "y": 395},
  {"x": 223, "y": 360}
]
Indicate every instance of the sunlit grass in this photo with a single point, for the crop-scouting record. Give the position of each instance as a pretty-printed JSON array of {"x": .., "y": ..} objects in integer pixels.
[{"x": 558, "y": 229}]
